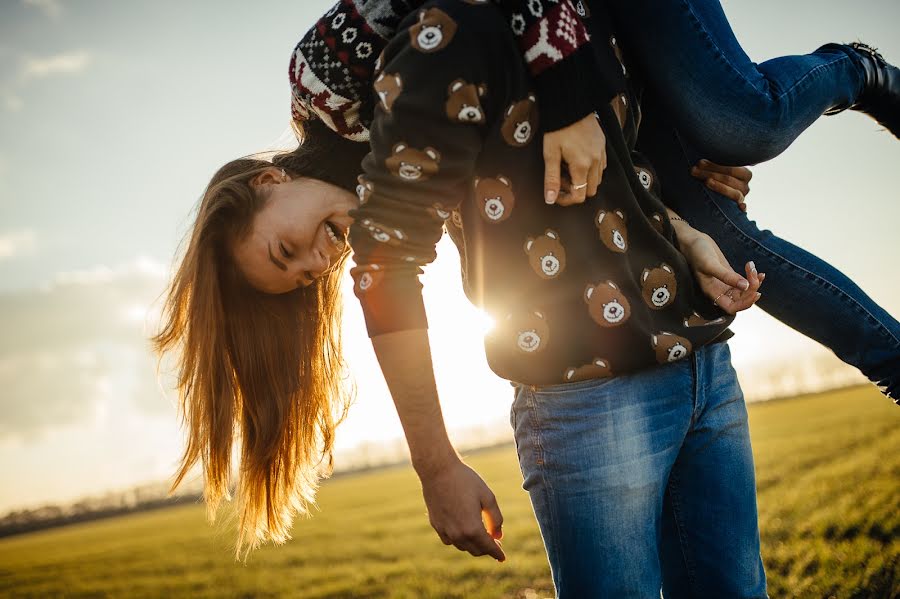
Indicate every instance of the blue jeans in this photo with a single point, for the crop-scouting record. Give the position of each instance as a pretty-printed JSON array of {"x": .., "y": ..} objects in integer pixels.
[
  {"x": 705, "y": 98},
  {"x": 644, "y": 481},
  {"x": 732, "y": 110},
  {"x": 801, "y": 290}
]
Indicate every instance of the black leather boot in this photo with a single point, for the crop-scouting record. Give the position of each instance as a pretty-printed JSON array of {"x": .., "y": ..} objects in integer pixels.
[{"x": 880, "y": 96}]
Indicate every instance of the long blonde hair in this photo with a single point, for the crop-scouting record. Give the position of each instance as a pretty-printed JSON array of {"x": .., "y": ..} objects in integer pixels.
[{"x": 263, "y": 369}]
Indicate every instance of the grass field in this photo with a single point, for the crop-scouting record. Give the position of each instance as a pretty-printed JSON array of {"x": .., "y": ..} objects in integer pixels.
[{"x": 828, "y": 474}]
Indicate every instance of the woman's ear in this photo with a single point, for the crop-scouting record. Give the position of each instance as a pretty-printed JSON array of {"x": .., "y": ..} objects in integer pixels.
[{"x": 271, "y": 174}]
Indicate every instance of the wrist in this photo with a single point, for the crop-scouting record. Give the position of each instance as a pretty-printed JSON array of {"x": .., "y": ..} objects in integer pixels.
[{"x": 435, "y": 461}]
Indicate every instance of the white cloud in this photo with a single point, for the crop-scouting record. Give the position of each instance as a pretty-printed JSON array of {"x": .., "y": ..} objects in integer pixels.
[
  {"x": 79, "y": 346},
  {"x": 51, "y": 8},
  {"x": 67, "y": 62},
  {"x": 16, "y": 243},
  {"x": 13, "y": 103},
  {"x": 142, "y": 267}
]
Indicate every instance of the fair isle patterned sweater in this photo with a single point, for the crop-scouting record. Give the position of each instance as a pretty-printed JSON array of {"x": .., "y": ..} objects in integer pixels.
[
  {"x": 332, "y": 67},
  {"x": 587, "y": 291}
]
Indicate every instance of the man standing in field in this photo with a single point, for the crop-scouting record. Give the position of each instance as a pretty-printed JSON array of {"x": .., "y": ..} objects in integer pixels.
[{"x": 601, "y": 326}]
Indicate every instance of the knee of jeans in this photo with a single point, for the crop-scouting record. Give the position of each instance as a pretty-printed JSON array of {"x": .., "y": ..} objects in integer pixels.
[
  {"x": 754, "y": 130},
  {"x": 761, "y": 139}
]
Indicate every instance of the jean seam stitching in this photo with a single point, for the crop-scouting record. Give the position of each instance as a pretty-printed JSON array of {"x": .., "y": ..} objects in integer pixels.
[
  {"x": 682, "y": 536},
  {"x": 548, "y": 490},
  {"x": 834, "y": 288}
]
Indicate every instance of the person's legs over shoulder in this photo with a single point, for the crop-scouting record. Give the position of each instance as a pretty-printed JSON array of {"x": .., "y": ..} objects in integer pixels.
[
  {"x": 595, "y": 457},
  {"x": 801, "y": 290},
  {"x": 732, "y": 109},
  {"x": 710, "y": 537}
]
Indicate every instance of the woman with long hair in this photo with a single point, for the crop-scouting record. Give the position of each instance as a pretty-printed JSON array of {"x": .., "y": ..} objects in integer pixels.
[{"x": 265, "y": 362}]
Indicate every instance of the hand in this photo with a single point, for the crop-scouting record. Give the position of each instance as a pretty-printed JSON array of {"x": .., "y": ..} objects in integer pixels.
[
  {"x": 456, "y": 498},
  {"x": 730, "y": 181},
  {"x": 582, "y": 146},
  {"x": 729, "y": 290}
]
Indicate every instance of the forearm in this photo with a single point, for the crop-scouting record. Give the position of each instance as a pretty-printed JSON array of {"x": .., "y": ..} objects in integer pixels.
[
  {"x": 683, "y": 229},
  {"x": 405, "y": 359}
]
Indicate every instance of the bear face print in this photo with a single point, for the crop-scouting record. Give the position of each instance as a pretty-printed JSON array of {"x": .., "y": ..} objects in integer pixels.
[
  {"x": 383, "y": 234},
  {"x": 659, "y": 286},
  {"x": 366, "y": 279},
  {"x": 433, "y": 32},
  {"x": 364, "y": 189},
  {"x": 669, "y": 347},
  {"x": 606, "y": 304},
  {"x": 546, "y": 254},
  {"x": 530, "y": 332},
  {"x": 411, "y": 164},
  {"x": 597, "y": 369},
  {"x": 388, "y": 87},
  {"x": 520, "y": 122},
  {"x": 463, "y": 102},
  {"x": 644, "y": 176},
  {"x": 495, "y": 198},
  {"x": 613, "y": 233},
  {"x": 695, "y": 320},
  {"x": 656, "y": 221}
]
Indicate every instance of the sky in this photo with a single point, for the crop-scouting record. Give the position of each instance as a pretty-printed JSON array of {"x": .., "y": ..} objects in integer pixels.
[{"x": 114, "y": 115}]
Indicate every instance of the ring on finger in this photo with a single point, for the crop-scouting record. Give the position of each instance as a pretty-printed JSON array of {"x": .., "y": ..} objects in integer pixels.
[
  {"x": 581, "y": 186},
  {"x": 716, "y": 301}
]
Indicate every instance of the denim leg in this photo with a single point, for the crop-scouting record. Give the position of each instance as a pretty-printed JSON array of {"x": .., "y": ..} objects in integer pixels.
[
  {"x": 732, "y": 110},
  {"x": 801, "y": 290},
  {"x": 595, "y": 457},
  {"x": 711, "y": 493}
]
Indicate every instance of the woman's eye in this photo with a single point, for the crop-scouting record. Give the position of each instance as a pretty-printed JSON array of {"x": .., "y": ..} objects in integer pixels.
[{"x": 284, "y": 250}]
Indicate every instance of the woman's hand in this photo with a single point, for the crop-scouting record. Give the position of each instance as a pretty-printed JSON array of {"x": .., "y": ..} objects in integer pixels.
[
  {"x": 728, "y": 290},
  {"x": 582, "y": 146},
  {"x": 463, "y": 510},
  {"x": 733, "y": 182}
]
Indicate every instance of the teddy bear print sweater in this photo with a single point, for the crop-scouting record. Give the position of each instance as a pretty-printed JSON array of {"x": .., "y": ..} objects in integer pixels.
[
  {"x": 331, "y": 68},
  {"x": 585, "y": 291}
]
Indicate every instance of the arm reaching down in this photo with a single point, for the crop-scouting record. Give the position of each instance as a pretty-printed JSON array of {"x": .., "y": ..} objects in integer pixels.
[{"x": 456, "y": 497}]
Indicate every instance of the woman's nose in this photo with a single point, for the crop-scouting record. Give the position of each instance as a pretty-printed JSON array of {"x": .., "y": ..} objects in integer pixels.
[{"x": 318, "y": 264}]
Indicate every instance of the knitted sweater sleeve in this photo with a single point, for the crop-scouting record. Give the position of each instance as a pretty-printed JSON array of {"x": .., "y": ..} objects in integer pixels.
[
  {"x": 572, "y": 76},
  {"x": 332, "y": 67},
  {"x": 435, "y": 95}
]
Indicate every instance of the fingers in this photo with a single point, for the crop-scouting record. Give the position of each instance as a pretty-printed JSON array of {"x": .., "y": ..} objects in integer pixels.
[
  {"x": 493, "y": 519},
  {"x": 476, "y": 542},
  {"x": 733, "y": 300},
  {"x": 478, "y": 537},
  {"x": 578, "y": 175},
  {"x": 730, "y": 187},
  {"x": 729, "y": 277},
  {"x": 552, "y": 159},
  {"x": 738, "y": 172},
  {"x": 593, "y": 179}
]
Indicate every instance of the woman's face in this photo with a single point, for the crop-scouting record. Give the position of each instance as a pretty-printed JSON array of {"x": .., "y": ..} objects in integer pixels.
[{"x": 298, "y": 234}]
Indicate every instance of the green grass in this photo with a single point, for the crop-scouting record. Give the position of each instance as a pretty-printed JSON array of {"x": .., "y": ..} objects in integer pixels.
[{"x": 828, "y": 475}]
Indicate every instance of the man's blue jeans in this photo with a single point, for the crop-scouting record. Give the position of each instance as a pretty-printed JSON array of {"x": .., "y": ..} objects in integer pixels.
[{"x": 644, "y": 481}]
